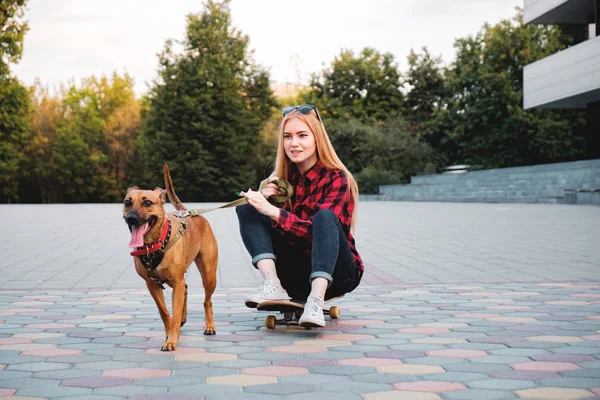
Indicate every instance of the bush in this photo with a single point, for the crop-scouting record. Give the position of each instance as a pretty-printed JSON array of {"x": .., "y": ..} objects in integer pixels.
[{"x": 371, "y": 177}]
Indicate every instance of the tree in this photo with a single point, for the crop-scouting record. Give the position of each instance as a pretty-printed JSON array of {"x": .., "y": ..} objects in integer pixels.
[
  {"x": 378, "y": 154},
  {"x": 486, "y": 117},
  {"x": 39, "y": 184},
  {"x": 366, "y": 87},
  {"x": 14, "y": 114},
  {"x": 14, "y": 104},
  {"x": 206, "y": 110},
  {"x": 85, "y": 133},
  {"x": 12, "y": 33},
  {"x": 425, "y": 102}
]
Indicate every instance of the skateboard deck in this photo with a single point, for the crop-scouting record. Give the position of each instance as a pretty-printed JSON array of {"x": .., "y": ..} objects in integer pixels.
[
  {"x": 292, "y": 311},
  {"x": 282, "y": 305}
]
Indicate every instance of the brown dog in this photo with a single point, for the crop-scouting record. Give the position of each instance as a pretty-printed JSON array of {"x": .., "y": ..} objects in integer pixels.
[{"x": 164, "y": 247}]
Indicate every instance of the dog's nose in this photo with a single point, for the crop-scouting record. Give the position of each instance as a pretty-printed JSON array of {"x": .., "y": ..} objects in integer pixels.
[{"x": 132, "y": 218}]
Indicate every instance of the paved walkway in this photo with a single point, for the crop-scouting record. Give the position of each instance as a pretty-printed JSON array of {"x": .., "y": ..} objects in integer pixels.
[{"x": 459, "y": 301}]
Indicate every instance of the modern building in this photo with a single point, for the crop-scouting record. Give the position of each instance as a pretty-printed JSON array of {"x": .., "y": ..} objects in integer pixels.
[{"x": 571, "y": 77}]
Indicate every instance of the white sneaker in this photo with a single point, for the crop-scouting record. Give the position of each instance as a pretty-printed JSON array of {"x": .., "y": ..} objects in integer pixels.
[
  {"x": 313, "y": 313},
  {"x": 267, "y": 291}
]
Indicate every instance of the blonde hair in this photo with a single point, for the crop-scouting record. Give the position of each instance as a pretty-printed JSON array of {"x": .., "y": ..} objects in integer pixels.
[{"x": 325, "y": 152}]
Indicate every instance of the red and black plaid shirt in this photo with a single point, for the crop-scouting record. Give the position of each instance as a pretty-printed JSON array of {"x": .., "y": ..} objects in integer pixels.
[{"x": 317, "y": 189}]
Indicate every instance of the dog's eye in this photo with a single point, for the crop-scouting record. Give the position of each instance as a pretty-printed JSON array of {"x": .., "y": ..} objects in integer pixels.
[
  {"x": 127, "y": 203},
  {"x": 148, "y": 203}
]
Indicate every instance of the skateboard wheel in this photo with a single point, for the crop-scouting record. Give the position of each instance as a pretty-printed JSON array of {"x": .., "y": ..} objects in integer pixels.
[
  {"x": 270, "y": 322},
  {"x": 334, "y": 312}
]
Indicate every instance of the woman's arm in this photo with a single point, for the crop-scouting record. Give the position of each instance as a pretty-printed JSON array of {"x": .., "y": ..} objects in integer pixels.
[{"x": 336, "y": 197}]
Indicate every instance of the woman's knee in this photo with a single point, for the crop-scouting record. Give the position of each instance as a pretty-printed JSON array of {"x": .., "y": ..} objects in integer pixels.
[
  {"x": 324, "y": 216},
  {"x": 244, "y": 211}
]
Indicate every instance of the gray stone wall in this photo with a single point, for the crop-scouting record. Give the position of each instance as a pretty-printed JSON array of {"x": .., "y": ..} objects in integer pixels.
[{"x": 569, "y": 183}]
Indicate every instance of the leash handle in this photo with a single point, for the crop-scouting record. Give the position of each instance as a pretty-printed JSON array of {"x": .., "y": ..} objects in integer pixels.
[{"x": 285, "y": 193}]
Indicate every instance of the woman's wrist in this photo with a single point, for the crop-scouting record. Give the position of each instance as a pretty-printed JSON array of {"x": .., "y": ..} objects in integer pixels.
[{"x": 275, "y": 214}]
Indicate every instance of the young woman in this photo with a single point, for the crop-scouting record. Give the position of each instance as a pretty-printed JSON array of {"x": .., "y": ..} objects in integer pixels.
[{"x": 304, "y": 250}]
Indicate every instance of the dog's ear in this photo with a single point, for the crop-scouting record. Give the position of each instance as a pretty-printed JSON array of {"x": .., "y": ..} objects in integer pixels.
[
  {"x": 162, "y": 193},
  {"x": 132, "y": 188}
]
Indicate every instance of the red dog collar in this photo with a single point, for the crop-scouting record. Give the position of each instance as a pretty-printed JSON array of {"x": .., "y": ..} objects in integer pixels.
[{"x": 156, "y": 246}]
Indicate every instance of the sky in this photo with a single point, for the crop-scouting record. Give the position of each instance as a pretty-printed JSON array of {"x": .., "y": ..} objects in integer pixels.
[{"x": 74, "y": 39}]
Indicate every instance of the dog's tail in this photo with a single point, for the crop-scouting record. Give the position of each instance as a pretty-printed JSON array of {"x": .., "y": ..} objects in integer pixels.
[{"x": 171, "y": 192}]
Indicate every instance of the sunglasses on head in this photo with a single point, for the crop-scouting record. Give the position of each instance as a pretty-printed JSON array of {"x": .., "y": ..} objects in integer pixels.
[{"x": 304, "y": 109}]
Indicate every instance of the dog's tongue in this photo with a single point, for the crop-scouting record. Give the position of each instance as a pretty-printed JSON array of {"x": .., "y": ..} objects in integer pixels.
[{"x": 137, "y": 235}]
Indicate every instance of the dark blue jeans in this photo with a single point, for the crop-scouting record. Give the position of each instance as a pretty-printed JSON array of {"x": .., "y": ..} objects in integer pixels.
[{"x": 329, "y": 257}]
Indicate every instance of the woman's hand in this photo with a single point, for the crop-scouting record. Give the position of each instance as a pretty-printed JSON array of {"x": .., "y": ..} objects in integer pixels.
[
  {"x": 270, "y": 189},
  {"x": 260, "y": 203}
]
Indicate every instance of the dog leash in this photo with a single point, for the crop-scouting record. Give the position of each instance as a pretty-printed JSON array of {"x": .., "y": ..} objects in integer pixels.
[{"x": 285, "y": 193}]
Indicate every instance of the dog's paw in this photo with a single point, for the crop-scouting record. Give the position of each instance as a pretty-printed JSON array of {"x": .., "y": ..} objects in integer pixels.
[
  {"x": 169, "y": 346},
  {"x": 210, "y": 331},
  {"x": 183, "y": 321}
]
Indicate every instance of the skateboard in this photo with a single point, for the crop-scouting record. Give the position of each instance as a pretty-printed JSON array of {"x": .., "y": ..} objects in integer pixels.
[{"x": 292, "y": 311}]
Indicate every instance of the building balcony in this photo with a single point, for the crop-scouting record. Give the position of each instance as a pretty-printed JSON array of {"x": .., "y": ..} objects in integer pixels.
[
  {"x": 567, "y": 79},
  {"x": 576, "y": 12}
]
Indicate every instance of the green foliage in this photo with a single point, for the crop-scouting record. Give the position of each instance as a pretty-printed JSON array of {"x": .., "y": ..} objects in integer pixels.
[
  {"x": 81, "y": 145},
  {"x": 12, "y": 33},
  {"x": 206, "y": 110},
  {"x": 366, "y": 87},
  {"x": 372, "y": 177},
  {"x": 386, "y": 153},
  {"x": 14, "y": 114},
  {"x": 485, "y": 114},
  {"x": 14, "y": 104},
  {"x": 425, "y": 101}
]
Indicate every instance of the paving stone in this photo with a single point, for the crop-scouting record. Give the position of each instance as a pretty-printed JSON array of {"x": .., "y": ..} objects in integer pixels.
[
  {"x": 577, "y": 350},
  {"x": 29, "y": 383},
  {"x": 501, "y": 384},
  {"x": 36, "y": 367},
  {"x": 355, "y": 387},
  {"x": 10, "y": 375},
  {"x": 281, "y": 389},
  {"x": 498, "y": 360},
  {"x": 400, "y": 354},
  {"x": 240, "y": 363},
  {"x": 130, "y": 391},
  {"x": 460, "y": 376},
  {"x": 400, "y": 395},
  {"x": 342, "y": 370},
  {"x": 312, "y": 379},
  {"x": 534, "y": 345},
  {"x": 105, "y": 365},
  {"x": 94, "y": 382},
  {"x": 575, "y": 358},
  {"x": 430, "y": 360},
  {"x": 204, "y": 390},
  {"x": 96, "y": 396},
  {"x": 385, "y": 378},
  {"x": 525, "y": 375},
  {"x": 480, "y": 394},
  {"x": 199, "y": 373},
  {"x": 66, "y": 374},
  {"x": 478, "y": 368},
  {"x": 570, "y": 382},
  {"x": 553, "y": 393},
  {"x": 518, "y": 352},
  {"x": 583, "y": 373},
  {"x": 324, "y": 395},
  {"x": 303, "y": 362},
  {"x": 243, "y": 396},
  {"x": 53, "y": 391},
  {"x": 478, "y": 346},
  {"x": 334, "y": 355}
]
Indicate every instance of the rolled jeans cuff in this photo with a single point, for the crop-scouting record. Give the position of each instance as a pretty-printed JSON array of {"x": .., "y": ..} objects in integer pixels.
[
  {"x": 321, "y": 274},
  {"x": 262, "y": 256}
]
